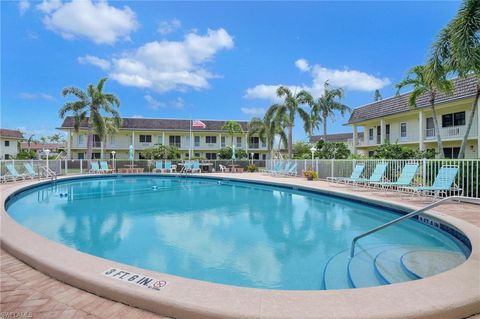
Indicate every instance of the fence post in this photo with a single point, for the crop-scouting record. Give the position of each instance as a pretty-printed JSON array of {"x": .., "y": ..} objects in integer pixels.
[
  {"x": 424, "y": 171},
  {"x": 332, "y": 172},
  {"x": 81, "y": 166},
  {"x": 66, "y": 166}
]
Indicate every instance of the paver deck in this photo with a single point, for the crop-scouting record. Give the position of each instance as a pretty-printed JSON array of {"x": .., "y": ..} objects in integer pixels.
[{"x": 24, "y": 289}]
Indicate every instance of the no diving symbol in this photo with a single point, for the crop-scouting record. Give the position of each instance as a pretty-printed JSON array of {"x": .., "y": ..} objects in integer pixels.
[{"x": 159, "y": 284}]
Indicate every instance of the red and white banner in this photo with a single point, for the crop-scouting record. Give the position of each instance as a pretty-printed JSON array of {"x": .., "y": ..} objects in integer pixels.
[{"x": 198, "y": 124}]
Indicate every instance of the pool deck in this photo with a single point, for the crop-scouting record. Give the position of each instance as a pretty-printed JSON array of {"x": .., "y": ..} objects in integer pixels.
[{"x": 24, "y": 289}]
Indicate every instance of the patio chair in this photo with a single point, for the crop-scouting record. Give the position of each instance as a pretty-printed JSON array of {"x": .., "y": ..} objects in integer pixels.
[
  {"x": 284, "y": 170},
  {"x": 277, "y": 168},
  {"x": 376, "y": 176},
  {"x": 187, "y": 167},
  {"x": 196, "y": 167},
  {"x": 168, "y": 167},
  {"x": 158, "y": 167},
  {"x": 13, "y": 173},
  {"x": 224, "y": 169},
  {"x": 104, "y": 167},
  {"x": 292, "y": 171},
  {"x": 443, "y": 183},
  {"x": 356, "y": 173},
  {"x": 94, "y": 168},
  {"x": 405, "y": 179},
  {"x": 30, "y": 171}
]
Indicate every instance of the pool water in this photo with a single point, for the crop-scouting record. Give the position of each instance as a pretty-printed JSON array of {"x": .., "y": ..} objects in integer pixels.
[{"x": 228, "y": 232}]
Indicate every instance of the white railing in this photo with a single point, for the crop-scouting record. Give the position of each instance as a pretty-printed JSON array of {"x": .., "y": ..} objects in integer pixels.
[
  {"x": 453, "y": 132},
  {"x": 467, "y": 178}
]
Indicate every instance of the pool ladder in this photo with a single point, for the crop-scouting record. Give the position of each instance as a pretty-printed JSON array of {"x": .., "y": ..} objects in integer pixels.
[
  {"x": 463, "y": 199},
  {"x": 49, "y": 173}
]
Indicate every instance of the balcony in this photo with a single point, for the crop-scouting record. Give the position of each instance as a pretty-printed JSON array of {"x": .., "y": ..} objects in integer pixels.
[
  {"x": 253, "y": 145},
  {"x": 453, "y": 132}
]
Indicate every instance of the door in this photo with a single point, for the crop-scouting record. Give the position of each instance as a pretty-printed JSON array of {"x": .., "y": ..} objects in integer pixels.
[
  {"x": 379, "y": 135},
  {"x": 429, "y": 128}
]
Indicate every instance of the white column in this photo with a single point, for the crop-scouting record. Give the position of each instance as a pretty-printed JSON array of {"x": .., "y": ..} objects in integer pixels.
[
  {"x": 382, "y": 131},
  {"x": 219, "y": 142},
  {"x": 69, "y": 145},
  {"x": 355, "y": 137},
  {"x": 133, "y": 143},
  {"x": 421, "y": 129},
  {"x": 478, "y": 131},
  {"x": 101, "y": 150},
  {"x": 163, "y": 138},
  {"x": 246, "y": 142}
]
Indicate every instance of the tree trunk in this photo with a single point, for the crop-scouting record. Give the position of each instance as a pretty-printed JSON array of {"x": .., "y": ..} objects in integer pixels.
[
  {"x": 290, "y": 142},
  {"x": 324, "y": 128},
  {"x": 89, "y": 140},
  {"x": 461, "y": 154},
  {"x": 437, "y": 129}
]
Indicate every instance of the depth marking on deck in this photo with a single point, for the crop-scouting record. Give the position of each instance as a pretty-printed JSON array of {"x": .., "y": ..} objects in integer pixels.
[{"x": 136, "y": 279}]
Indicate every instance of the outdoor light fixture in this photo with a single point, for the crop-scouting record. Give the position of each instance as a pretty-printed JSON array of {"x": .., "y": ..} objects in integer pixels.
[{"x": 313, "y": 150}]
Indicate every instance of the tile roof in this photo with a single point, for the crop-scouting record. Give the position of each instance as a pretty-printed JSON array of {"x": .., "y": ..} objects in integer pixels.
[
  {"x": 41, "y": 146},
  {"x": 464, "y": 88},
  {"x": 160, "y": 124},
  {"x": 6, "y": 133},
  {"x": 339, "y": 137}
]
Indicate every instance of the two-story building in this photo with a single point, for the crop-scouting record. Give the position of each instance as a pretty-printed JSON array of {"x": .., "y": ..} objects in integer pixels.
[
  {"x": 9, "y": 143},
  {"x": 142, "y": 133},
  {"x": 393, "y": 120}
]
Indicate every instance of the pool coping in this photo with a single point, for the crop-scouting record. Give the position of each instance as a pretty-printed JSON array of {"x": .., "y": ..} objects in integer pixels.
[{"x": 439, "y": 296}]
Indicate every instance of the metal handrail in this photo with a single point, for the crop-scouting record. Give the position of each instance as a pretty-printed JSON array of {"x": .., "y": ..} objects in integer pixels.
[{"x": 464, "y": 199}]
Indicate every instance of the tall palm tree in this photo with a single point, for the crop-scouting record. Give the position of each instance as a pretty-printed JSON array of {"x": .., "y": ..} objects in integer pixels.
[
  {"x": 91, "y": 103},
  {"x": 266, "y": 129},
  {"x": 426, "y": 82},
  {"x": 289, "y": 108},
  {"x": 326, "y": 106},
  {"x": 111, "y": 127},
  {"x": 30, "y": 140},
  {"x": 457, "y": 50},
  {"x": 233, "y": 128}
]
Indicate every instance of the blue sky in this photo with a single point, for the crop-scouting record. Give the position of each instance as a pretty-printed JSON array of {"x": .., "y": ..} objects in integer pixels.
[{"x": 206, "y": 60}]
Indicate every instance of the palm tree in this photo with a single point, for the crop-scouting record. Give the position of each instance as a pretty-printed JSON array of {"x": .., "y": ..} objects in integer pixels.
[
  {"x": 111, "y": 127},
  {"x": 266, "y": 129},
  {"x": 377, "y": 96},
  {"x": 232, "y": 128},
  {"x": 457, "y": 50},
  {"x": 325, "y": 107},
  {"x": 426, "y": 82},
  {"x": 44, "y": 140},
  {"x": 91, "y": 104},
  {"x": 287, "y": 111},
  {"x": 30, "y": 140}
]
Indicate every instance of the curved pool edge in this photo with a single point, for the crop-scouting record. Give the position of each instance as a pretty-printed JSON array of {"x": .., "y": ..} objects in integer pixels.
[{"x": 439, "y": 296}]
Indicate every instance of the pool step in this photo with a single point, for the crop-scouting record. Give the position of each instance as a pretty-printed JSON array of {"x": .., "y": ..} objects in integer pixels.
[
  {"x": 425, "y": 263},
  {"x": 388, "y": 267},
  {"x": 361, "y": 268},
  {"x": 335, "y": 274}
]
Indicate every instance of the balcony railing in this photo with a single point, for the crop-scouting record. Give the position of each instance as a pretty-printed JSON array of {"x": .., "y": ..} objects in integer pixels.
[
  {"x": 253, "y": 145},
  {"x": 453, "y": 132}
]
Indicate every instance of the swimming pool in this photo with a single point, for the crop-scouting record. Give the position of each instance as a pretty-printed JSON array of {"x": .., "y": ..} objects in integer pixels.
[{"x": 235, "y": 233}]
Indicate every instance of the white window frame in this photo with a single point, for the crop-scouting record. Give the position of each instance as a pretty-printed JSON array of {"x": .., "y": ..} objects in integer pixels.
[
  {"x": 196, "y": 141},
  {"x": 113, "y": 141},
  {"x": 238, "y": 142},
  {"x": 223, "y": 141},
  {"x": 371, "y": 133},
  {"x": 81, "y": 139},
  {"x": 404, "y": 138}
]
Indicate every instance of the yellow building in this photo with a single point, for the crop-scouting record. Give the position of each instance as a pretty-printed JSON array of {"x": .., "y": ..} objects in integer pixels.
[
  {"x": 143, "y": 133},
  {"x": 395, "y": 121},
  {"x": 9, "y": 140}
]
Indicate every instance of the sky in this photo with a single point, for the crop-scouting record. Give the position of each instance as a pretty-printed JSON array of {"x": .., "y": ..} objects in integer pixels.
[{"x": 206, "y": 60}]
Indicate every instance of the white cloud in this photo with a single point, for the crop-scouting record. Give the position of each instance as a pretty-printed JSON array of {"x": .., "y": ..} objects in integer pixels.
[
  {"x": 23, "y": 6},
  {"x": 171, "y": 65},
  {"x": 347, "y": 79},
  {"x": 89, "y": 59},
  {"x": 97, "y": 21},
  {"x": 137, "y": 116},
  {"x": 36, "y": 96},
  {"x": 154, "y": 104},
  {"x": 167, "y": 27},
  {"x": 303, "y": 65},
  {"x": 254, "y": 111}
]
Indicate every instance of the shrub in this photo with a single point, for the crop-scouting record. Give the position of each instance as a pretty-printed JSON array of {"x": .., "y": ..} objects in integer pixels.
[
  {"x": 226, "y": 153},
  {"x": 331, "y": 150},
  {"x": 252, "y": 168}
]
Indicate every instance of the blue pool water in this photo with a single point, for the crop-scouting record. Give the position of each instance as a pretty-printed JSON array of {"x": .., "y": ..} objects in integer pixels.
[{"x": 228, "y": 232}]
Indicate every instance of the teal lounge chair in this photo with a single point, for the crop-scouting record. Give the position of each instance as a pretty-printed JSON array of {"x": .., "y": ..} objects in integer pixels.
[
  {"x": 276, "y": 168},
  {"x": 168, "y": 167},
  {"x": 444, "y": 182},
  {"x": 292, "y": 171},
  {"x": 158, "y": 167},
  {"x": 13, "y": 173},
  {"x": 95, "y": 168},
  {"x": 405, "y": 179},
  {"x": 356, "y": 173},
  {"x": 196, "y": 167},
  {"x": 376, "y": 176},
  {"x": 30, "y": 171},
  {"x": 187, "y": 167},
  {"x": 104, "y": 167},
  {"x": 282, "y": 171}
]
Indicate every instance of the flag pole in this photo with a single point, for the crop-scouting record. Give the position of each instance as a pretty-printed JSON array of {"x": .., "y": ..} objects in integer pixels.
[{"x": 190, "y": 147}]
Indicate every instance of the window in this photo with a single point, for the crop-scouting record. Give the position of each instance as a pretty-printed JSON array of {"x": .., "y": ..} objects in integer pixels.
[
  {"x": 264, "y": 144},
  {"x": 453, "y": 119},
  {"x": 96, "y": 141},
  {"x": 96, "y": 155},
  {"x": 370, "y": 134},
  {"x": 174, "y": 140},
  {"x": 211, "y": 156},
  {"x": 81, "y": 139},
  {"x": 210, "y": 139},
  {"x": 160, "y": 139},
  {"x": 197, "y": 155},
  {"x": 145, "y": 139},
  {"x": 387, "y": 132},
  {"x": 7, "y": 143},
  {"x": 264, "y": 157},
  {"x": 429, "y": 127},
  {"x": 403, "y": 131},
  {"x": 371, "y": 153},
  {"x": 196, "y": 141},
  {"x": 223, "y": 141},
  {"x": 81, "y": 156},
  {"x": 7, "y": 156},
  {"x": 451, "y": 152},
  {"x": 239, "y": 141},
  {"x": 112, "y": 139},
  {"x": 254, "y": 142}
]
